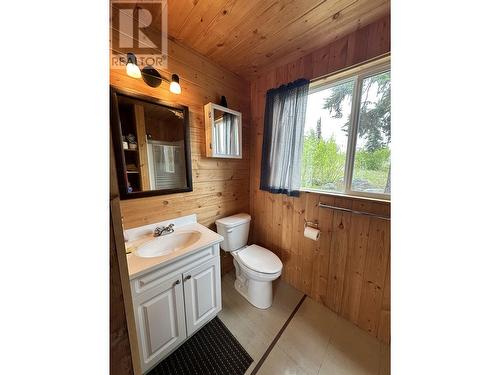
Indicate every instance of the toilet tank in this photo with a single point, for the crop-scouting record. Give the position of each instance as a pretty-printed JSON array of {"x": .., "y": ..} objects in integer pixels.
[{"x": 235, "y": 230}]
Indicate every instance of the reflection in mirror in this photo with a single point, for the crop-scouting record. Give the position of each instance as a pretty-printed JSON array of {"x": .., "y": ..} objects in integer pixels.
[
  {"x": 226, "y": 139},
  {"x": 223, "y": 132},
  {"x": 153, "y": 147}
]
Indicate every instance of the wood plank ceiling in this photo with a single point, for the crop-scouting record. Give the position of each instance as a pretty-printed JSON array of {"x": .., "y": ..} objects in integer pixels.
[{"x": 250, "y": 36}]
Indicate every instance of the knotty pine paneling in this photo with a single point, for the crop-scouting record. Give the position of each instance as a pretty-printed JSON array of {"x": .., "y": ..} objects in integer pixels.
[
  {"x": 347, "y": 270},
  {"x": 220, "y": 187},
  {"x": 247, "y": 36}
]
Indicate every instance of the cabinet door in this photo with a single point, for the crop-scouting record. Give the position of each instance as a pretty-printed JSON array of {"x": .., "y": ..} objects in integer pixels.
[
  {"x": 161, "y": 322},
  {"x": 202, "y": 294}
]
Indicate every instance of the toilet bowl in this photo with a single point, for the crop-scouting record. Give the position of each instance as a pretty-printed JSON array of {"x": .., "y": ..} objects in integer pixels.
[{"x": 256, "y": 267}]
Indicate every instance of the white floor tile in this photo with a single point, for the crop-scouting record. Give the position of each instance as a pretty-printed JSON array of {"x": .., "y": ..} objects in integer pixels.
[
  {"x": 254, "y": 328},
  {"x": 307, "y": 336},
  {"x": 351, "y": 351},
  {"x": 280, "y": 363},
  {"x": 316, "y": 341}
]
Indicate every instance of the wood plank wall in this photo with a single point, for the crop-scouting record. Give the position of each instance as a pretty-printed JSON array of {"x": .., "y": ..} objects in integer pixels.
[
  {"x": 123, "y": 350},
  {"x": 220, "y": 187},
  {"x": 348, "y": 268}
]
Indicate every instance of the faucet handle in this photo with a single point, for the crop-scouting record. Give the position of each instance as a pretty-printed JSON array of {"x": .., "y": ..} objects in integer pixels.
[{"x": 158, "y": 231}]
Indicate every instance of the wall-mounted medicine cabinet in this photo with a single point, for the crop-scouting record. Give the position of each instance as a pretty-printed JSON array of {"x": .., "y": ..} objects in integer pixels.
[{"x": 223, "y": 132}]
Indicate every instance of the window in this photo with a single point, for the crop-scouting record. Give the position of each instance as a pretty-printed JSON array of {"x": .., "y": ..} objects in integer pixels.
[{"x": 347, "y": 134}]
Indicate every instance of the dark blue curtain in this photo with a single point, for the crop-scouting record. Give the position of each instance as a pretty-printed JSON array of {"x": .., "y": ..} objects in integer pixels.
[{"x": 282, "y": 142}]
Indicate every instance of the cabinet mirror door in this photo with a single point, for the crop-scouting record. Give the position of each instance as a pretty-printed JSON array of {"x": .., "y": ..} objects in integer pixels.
[
  {"x": 151, "y": 145},
  {"x": 223, "y": 131}
]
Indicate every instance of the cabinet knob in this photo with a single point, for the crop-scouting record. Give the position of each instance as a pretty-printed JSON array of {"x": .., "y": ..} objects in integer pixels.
[
  {"x": 177, "y": 282},
  {"x": 187, "y": 277}
]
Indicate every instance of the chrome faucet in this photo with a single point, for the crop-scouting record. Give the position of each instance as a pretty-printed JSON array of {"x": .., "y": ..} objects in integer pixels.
[{"x": 160, "y": 231}]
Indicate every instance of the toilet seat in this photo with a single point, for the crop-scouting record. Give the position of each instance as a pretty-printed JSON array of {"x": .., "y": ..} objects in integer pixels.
[{"x": 259, "y": 259}]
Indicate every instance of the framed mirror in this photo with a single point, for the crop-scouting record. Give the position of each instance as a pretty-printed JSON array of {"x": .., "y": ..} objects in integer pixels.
[
  {"x": 223, "y": 132},
  {"x": 151, "y": 145}
]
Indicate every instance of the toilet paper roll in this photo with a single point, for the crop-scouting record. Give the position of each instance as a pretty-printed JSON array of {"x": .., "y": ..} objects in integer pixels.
[{"x": 311, "y": 233}]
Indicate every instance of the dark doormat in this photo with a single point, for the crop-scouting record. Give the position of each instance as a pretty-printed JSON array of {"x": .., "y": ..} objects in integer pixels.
[{"x": 212, "y": 350}]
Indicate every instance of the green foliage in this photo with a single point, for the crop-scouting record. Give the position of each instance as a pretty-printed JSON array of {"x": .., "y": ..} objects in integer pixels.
[
  {"x": 374, "y": 116},
  {"x": 322, "y": 163},
  {"x": 371, "y": 170},
  {"x": 334, "y": 102},
  {"x": 373, "y": 160}
]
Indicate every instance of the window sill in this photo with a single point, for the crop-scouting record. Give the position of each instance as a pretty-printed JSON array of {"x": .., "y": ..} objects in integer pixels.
[{"x": 343, "y": 195}]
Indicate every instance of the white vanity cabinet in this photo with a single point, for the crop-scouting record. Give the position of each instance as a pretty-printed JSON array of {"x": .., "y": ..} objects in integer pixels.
[
  {"x": 202, "y": 294},
  {"x": 160, "y": 320},
  {"x": 173, "y": 301}
]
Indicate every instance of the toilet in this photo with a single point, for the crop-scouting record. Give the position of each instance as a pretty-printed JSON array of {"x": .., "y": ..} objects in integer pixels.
[{"x": 256, "y": 266}]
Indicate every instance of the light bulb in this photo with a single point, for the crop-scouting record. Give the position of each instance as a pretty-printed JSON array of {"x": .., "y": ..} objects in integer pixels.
[
  {"x": 175, "y": 88},
  {"x": 132, "y": 69}
]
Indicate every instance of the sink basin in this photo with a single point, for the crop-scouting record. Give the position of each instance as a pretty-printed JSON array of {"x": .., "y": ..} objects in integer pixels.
[{"x": 167, "y": 244}]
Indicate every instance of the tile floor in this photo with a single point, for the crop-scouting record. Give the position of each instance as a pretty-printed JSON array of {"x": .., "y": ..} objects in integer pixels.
[{"x": 316, "y": 341}]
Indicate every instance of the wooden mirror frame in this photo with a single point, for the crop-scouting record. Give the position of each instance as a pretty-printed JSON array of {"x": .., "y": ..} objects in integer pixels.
[{"x": 116, "y": 133}]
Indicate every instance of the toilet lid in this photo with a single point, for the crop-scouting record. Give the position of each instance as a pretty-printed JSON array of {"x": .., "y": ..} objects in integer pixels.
[
  {"x": 260, "y": 259},
  {"x": 234, "y": 220}
]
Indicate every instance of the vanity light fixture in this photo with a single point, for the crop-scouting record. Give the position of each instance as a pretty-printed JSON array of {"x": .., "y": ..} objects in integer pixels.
[{"x": 150, "y": 75}]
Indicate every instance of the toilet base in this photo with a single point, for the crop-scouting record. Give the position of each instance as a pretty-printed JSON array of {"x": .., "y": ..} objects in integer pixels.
[{"x": 258, "y": 292}]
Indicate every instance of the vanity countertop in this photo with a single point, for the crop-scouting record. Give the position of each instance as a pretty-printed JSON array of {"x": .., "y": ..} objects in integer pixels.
[{"x": 138, "y": 266}]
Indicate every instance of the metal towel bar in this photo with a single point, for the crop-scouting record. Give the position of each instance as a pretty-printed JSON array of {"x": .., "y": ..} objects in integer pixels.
[{"x": 353, "y": 211}]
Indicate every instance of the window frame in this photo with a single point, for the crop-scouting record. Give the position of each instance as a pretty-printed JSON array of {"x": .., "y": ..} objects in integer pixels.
[{"x": 358, "y": 73}]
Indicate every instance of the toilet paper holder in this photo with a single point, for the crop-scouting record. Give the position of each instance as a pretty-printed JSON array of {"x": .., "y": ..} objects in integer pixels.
[{"x": 310, "y": 224}]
